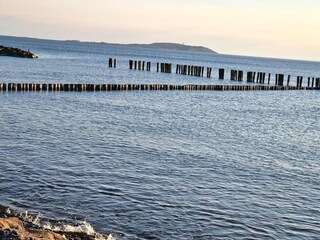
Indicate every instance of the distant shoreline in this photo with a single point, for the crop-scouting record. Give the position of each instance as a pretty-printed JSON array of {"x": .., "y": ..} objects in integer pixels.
[{"x": 157, "y": 45}]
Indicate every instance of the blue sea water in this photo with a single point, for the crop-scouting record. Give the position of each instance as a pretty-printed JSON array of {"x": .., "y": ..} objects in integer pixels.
[{"x": 158, "y": 164}]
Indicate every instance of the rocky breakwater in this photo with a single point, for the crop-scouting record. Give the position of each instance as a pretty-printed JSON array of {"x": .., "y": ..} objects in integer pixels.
[{"x": 16, "y": 52}]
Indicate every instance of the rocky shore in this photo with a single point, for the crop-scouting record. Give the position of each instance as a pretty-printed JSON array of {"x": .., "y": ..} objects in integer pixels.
[
  {"x": 16, "y": 52},
  {"x": 14, "y": 226}
]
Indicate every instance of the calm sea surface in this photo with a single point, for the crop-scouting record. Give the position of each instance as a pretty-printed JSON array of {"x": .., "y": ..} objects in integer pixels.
[{"x": 157, "y": 164}]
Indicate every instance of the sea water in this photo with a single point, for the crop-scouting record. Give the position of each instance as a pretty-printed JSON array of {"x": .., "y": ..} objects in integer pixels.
[{"x": 159, "y": 164}]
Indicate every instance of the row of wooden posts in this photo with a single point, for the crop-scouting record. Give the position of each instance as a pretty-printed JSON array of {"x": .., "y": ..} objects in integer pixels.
[
  {"x": 235, "y": 75},
  {"x": 164, "y": 67},
  {"x": 112, "y": 63},
  {"x": 139, "y": 65},
  {"x": 53, "y": 87},
  {"x": 190, "y": 70}
]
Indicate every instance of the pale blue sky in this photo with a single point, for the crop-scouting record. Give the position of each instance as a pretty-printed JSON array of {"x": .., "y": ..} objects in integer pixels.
[{"x": 271, "y": 28}]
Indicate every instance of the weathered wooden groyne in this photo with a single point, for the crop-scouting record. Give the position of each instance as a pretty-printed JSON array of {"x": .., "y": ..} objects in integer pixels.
[
  {"x": 81, "y": 87},
  {"x": 235, "y": 75}
]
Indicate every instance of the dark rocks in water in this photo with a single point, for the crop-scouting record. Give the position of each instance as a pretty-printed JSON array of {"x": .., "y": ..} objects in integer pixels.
[{"x": 16, "y": 52}]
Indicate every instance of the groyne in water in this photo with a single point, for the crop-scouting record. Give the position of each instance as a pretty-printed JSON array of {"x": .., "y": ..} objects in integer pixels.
[
  {"x": 262, "y": 79},
  {"x": 54, "y": 87},
  {"x": 235, "y": 74}
]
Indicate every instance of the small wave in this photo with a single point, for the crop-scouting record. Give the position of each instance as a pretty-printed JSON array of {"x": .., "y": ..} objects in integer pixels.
[{"x": 38, "y": 221}]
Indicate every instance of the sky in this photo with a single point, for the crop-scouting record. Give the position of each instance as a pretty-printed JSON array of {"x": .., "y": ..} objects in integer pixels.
[{"x": 266, "y": 28}]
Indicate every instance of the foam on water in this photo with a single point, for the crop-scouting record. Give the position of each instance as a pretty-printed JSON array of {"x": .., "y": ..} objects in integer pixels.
[{"x": 57, "y": 226}]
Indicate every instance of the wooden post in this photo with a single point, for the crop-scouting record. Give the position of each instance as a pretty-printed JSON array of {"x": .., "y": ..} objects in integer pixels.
[
  {"x": 66, "y": 87},
  {"x": 3, "y": 87},
  {"x": 97, "y": 87},
  {"x": 280, "y": 79},
  {"x": 288, "y": 80},
  {"x": 12, "y": 87},
  {"x": 135, "y": 65},
  {"x": 110, "y": 62},
  {"x": 38, "y": 87},
  {"x": 221, "y": 73},
  {"x": 168, "y": 68},
  {"x": 79, "y": 87},
  {"x": 254, "y": 77},
  {"x": 198, "y": 71},
  {"x": 234, "y": 75},
  {"x": 240, "y": 76},
  {"x": 308, "y": 81},
  {"x": 312, "y": 82},
  {"x": 139, "y": 65},
  {"x": 300, "y": 83},
  {"x": 115, "y": 63},
  {"x": 208, "y": 72},
  {"x": 130, "y": 64},
  {"x": 103, "y": 87},
  {"x": 143, "y": 63},
  {"x": 249, "y": 76},
  {"x": 269, "y": 77}
]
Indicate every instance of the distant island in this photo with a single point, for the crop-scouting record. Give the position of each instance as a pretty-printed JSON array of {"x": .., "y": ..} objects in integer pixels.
[
  {"x": 175, "y": 47},
  {"x": 157, "y": 45}
]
